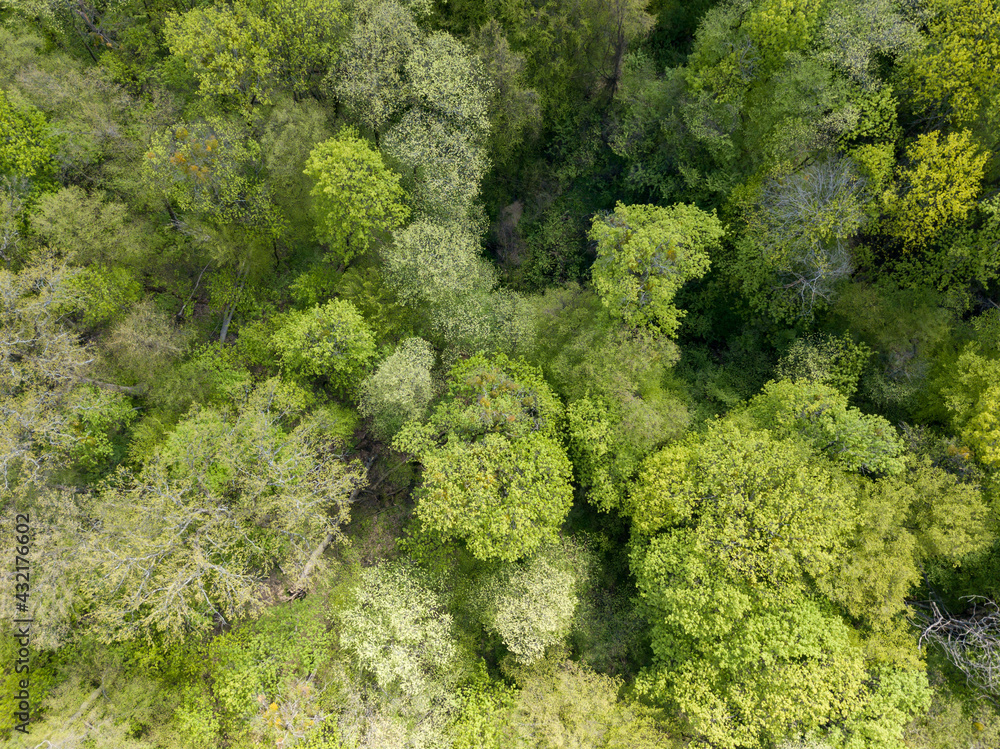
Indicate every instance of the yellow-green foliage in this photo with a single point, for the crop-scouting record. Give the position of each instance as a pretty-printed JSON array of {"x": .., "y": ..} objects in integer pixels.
[
  {"x": 645, "y": 254},
  {"x": 781, "y": 26},
  {"x": 567, "y": 706},
  {"x": 247, "y": 48},
  {"x": 357, "y": 199},
  {"x": 820, "y": 415},
  {"x": 495, "y": 473},
  {"x": 938, "y": 187},
  {"x": 958, "y": 70},
  {"x": 330, "y": 340},
  {"x": 26, "y": 147},
  {"x": 504, "y": 497},
  {"x": 972, "y": 395}
]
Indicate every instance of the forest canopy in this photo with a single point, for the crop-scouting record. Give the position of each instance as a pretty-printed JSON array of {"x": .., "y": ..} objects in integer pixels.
[{"x": 442, "y": 374}]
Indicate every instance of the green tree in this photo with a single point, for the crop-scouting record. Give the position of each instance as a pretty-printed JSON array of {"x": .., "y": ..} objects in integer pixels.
[
  {"x": 400, "y": 389},
  {"x": 27, "y": 146},
  {"x": 972, "y": 396},
  {"x": 513, "y": 110},
  {"x": 619, "y": 408},
  {"x": 495, "y": 474},
  {"x": 330, "y": 340},
  {"x": 357, "y": 198},
  {"x": 827, "y": 360},
  {"x": 249, "y": 48},
  {"x": 211, "y": 168},
  {"x": 232, "y": 495},
  {"x": 956, "y": 71},
  {"x": 937, "y": 187},
  {"x": 774, "y": 512},
  {"x": 820, "y": 415},
  {"x": 645, "y": 254}
]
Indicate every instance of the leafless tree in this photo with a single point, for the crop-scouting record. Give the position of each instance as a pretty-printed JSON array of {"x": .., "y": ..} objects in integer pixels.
[{"x": 971, "y": 642}]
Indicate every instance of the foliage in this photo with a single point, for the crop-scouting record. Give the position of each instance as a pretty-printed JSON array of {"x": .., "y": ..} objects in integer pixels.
[
  {"x": 796, "y": 251},
  {"x": 401, "y": 635},
  {"x": 400, "y": 389},
  {"x": 28, "y": 148},
  {"x": 972, "y": 395},
  {"x": 369, "y": 76},
  {"x": 567, "y": 705},
  {"x": 229, "y": 496},
  {"x": 834, "y": 361},
  {"x": 645, "y": 254},
  {"x": 504, "y": 497},
  {"x": 939, "y": 186},
  {"x": 357, "y": 198},
  {"x": 821, "y": 416},
  {"x": 955, "y": 71},
  {"x": 495, "y": 474},
  {"x": 435, "y": 262},
  {"x": 531, "y": 605},
  {"x": 330, "y": 340},
  {"x": 247, "y": 48}
]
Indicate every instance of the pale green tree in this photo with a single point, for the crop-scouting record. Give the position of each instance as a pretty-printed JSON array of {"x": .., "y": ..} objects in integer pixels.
[
  {"x": 530, "y": 605},
  {"x": 571, "y": 707},
  {"x": 50, "y": 417},
  {"x": 330, "y": 340},
  {"x": 370, "y": 77},
  {"x": 645, "y": 254},
  {"x": 357, "y": 199},
  {"x": 494, "y": 472},
  {"x": 445, "y": 162},
  {"x": 86, "y": 228},
  {"x": 432, "y": 263},
  {"x": 400, "y": 389},
  {"x": 401, "y": 635},
  {"x": 233, "y": 495},
  {"x": 446, "y": 80}
]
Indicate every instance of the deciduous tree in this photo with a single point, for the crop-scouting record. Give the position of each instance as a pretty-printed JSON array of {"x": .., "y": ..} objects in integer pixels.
[
  {"x": 645, "y": 254},
  {"x": 357, "y": 199}
]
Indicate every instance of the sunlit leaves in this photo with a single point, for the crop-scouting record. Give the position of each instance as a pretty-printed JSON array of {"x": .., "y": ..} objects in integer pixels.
[
  {"x": 645, "y": 254},
  {"x": 356, "y": 197}
]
